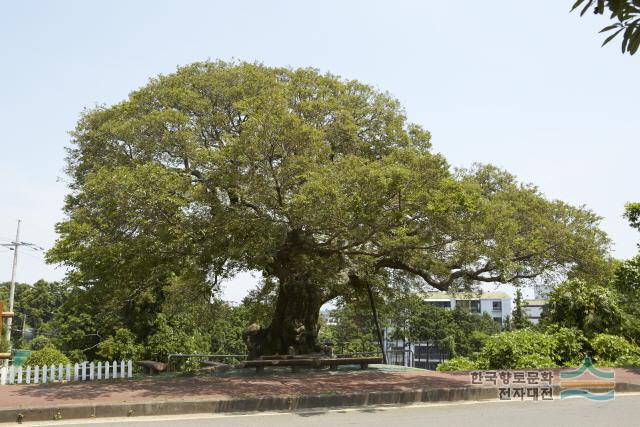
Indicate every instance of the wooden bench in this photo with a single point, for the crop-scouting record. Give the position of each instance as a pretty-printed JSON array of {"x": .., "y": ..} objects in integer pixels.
[
  {"x": 287, "y": 361},
  {"x": 364, "y": 362},
  {"x": 152, "y": 367},
  {"x": 295, "y": 362}
]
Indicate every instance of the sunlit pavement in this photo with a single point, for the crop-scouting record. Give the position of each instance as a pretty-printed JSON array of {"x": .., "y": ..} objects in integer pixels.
[{"x": 624, "y": 410}]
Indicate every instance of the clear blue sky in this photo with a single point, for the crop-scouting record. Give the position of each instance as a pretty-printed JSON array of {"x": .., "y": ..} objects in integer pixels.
[{"x": 523, "y": 85}]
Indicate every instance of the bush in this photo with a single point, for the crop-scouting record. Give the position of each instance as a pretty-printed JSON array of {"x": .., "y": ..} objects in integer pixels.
[
  {"x": 121, "y": 346},
  {"x": 168, "y": 339},
  {"x": 76, "y": 356},
  {"x": 570, "y": 345},
  {"x": 536, "y": 361},
  {"x": 518, "y": 349},
  {"x": 46, "y": 356},
  {"x": 458, "y": 364},
  {"x": 40, "y": 342},
  {"x": 627, "y": 362},
  {"x": 590, "y": 307},
  {"x": 612, "y": 348}
]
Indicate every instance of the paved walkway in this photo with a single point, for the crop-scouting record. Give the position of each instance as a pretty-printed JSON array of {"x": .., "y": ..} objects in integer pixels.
[{"x": 248, "y": 385}]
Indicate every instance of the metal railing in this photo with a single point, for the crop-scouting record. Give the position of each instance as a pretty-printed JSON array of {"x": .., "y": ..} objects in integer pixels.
[
  {"x": 174, "y": 356},
  {"x": 393, "y": 359}
]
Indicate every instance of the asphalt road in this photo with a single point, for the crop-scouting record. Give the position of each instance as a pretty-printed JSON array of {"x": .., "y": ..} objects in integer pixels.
[{"x": 623, "y": 411}]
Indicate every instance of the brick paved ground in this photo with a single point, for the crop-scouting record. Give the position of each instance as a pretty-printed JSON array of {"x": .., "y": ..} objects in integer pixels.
[{"x": 230, "y": 386}]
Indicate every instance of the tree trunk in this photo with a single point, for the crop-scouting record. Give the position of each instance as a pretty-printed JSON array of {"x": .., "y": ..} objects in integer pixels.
[
  {"x": 294, "y": 324},
  {"x": 300, "y": 297}
]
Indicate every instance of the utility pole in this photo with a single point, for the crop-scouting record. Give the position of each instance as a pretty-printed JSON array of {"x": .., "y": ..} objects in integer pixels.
[
  {"x": 12, "y": 286},
  {"x": 24, "y": 323},
  {"x": 12, "y": 289}
]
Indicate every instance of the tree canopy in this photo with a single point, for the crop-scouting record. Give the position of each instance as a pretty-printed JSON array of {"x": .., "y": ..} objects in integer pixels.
[
  {"x": 38, "y": 302},
  {"x": 319, "y": 183},
  {"x": 632, "y": 213}
]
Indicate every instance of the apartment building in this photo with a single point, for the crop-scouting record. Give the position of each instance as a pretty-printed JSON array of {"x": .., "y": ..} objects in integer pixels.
[{"x": 498, "y": 305}]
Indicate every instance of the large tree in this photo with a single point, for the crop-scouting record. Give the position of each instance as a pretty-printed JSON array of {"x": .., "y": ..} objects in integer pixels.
[{"x": 319, "y": 183}]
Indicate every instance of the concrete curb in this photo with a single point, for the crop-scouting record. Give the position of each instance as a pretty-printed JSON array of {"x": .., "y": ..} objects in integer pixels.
[{"x": 262, "y": 404}]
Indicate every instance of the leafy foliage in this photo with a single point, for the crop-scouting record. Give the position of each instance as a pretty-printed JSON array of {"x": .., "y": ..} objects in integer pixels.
[
  {"x": 121, "y": 346},
  {"x": 632, "y": 361},
  {"x": 627, "y": 15},
  {"x": 39, "y": 302},
  {"x": 611, "y": 348},
  {"x": 536, "y": 361},
  {"x": 519, "y": 319},
  {"x": 632, "y": 213},
  {"x": 467, "y": 330},
  {"x": 570, "y": 345},
  {"x": 519, "y": 349},
  {"x": 458, "y": 364},
  {"x": 317, "y": 182},
  {"x": 588, "y": 307},
  {"x": 40, "y": 342},
  {"x": 46, "y": 356},
  {"x": 168, "y": 339},
  {"x": 351, "y": 330}
]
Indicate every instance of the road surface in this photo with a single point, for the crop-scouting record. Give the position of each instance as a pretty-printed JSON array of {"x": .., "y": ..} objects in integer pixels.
[{"x": 623, "y": 411}]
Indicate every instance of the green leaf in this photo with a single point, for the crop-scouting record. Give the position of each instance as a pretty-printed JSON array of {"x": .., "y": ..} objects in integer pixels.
[
  {"x": 609, "y": 27},
  {"x": 586, "y": 7},
  {"x": 634, "y": 43},
  {"x": 576, "y": 4},
  {"x": 611, "y": 37}
]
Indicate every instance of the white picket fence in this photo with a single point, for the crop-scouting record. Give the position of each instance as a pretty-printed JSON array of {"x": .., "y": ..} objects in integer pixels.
[{"x": 84, "y": 371}]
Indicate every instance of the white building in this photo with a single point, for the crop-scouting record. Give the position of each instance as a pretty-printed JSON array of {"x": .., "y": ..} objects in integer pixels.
[
  {"x": 427, "y": 354},
  {"x": 533, "y": 308},
  {"x": 495, "y": 304}
]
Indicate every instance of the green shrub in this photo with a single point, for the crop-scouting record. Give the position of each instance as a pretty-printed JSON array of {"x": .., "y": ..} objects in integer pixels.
[
  {"x": 517, "y": 349},
  {"x": 46, "y": 356},
  {"x": 168, "y": 339},
  {"x": 458, "y": 364},
  {"x": 570, "y": 345},
  {"x": 477, "y": 340},
  {"x": 121, "y": 346},
  {"x": 76, "y": 356},
  {"x": 536, "y": 361},
  {"x": 40, "y": 342},
  {"x": 612, "y": 347},
  {"x": 627, "y": 362}
]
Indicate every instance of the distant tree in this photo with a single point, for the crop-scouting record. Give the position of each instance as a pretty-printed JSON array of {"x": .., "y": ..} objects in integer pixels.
[
  {"x": 507, "y": 324},
  {"x": 38, "y": 302},
  {"x": 464, "y": 331},
  {"x": 626, "y": 13},
  {"x": 519, "y": 319},
  {"x": 352, "y": 328},
  {"x": 588, "y": 307},
  {"x": 627, "y": 280},
  {"x": 632, "y": 213}
]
